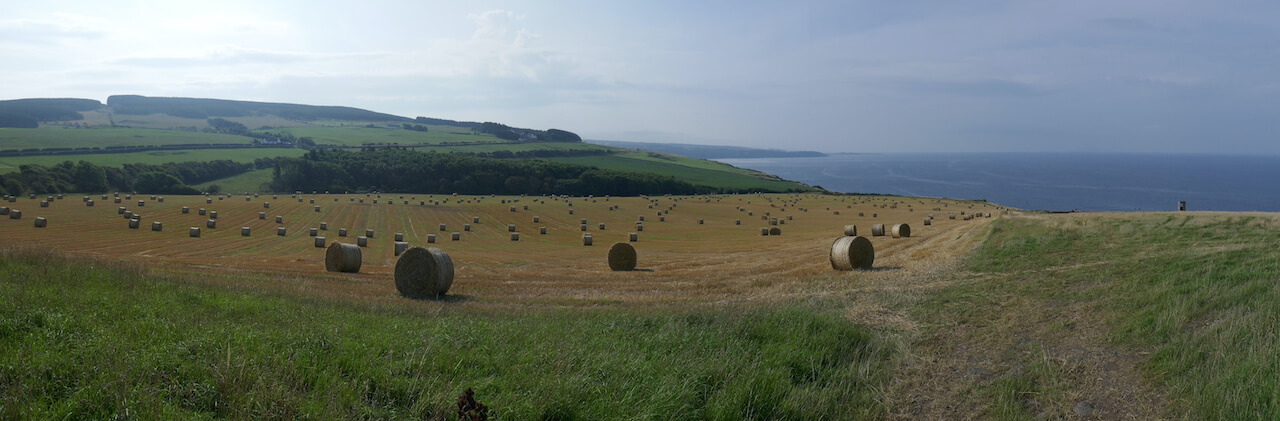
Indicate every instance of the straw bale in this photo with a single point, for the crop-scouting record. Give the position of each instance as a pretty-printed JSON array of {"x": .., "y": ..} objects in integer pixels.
[
  {"x": 852, "y": 252},
  {"x": 900, "y": 231},
  {"x": 424, "y": 273},
  {"x": 342, "y": 257},
  {"x": 622, "y": 257}
]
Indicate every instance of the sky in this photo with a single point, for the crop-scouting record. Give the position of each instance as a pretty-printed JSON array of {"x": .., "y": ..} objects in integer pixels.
[{"x": 833, "y": 76}]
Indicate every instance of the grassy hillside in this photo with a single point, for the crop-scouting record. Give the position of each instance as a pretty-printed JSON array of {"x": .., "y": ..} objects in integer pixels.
[
  {"x": 132, "y": 342},
  {"x": 687, "y": 169},
  {"x": 134, "y": 121},
  {"x": 11, "y": 163},
  {"x": 102, "y": 137},
  {"x": 358, "y": 134}
]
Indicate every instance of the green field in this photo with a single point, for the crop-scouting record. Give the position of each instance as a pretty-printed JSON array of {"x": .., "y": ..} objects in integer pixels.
[
  {"x": 248, "y": 182},
  {"x": 106, "y": 136},
  {"x": 521, "y": 147},
  {"x": 355, "y": 134},
  {"x": 130, "y": 343},
  {"x": 728, "y": 177},
  {"x": 11, "y": 163}
]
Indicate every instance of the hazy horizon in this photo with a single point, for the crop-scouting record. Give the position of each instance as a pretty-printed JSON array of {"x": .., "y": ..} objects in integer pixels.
[{"x": 830, "y": 76}]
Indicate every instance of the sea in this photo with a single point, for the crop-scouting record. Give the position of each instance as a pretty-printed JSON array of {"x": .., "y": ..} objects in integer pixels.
[{"x": 1048, "y": 181}]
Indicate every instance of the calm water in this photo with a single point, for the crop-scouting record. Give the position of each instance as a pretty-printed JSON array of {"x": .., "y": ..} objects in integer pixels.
[{"x": 1091, "y": 182}]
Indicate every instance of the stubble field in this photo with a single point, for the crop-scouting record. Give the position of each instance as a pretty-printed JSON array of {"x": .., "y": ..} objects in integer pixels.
[{"x": 680, "y": 259}]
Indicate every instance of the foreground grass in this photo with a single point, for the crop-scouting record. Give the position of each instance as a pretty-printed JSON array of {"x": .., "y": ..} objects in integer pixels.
[
  {"x": 1193, "y": 298},
  {"x": 97, "y": 340}
]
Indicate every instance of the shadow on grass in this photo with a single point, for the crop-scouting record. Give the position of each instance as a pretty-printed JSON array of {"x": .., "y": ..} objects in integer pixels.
[{"x": 883, "y": 269}]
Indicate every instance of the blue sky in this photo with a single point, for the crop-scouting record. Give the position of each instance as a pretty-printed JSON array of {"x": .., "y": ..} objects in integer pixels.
[{"x": 835, "y": 76}]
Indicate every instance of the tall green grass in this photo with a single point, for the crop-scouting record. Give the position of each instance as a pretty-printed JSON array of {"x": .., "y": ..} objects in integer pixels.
[
  {"x": 1200, "y": 291},
  {"x": 97, "y": 340}
]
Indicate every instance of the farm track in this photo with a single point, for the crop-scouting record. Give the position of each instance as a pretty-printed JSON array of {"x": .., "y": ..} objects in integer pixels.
[{"x": 681, "y": 261}]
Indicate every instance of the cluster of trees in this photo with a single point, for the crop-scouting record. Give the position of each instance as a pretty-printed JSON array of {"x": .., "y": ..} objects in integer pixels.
[
  {"x": 87, "y": 177},
  {"x": 224, "y": 126},
  {"x": 393, "y": 170},
  {"x": 415, "y": 127},
  {"x": 505, "y": 132},
  {"x": 29, "y": 113}
]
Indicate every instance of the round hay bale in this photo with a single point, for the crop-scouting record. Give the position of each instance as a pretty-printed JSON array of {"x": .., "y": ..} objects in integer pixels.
[
  {"x": 120, "y": 210},
  {"x": 928, "y": 222},
  {"x": 700, "y": 222},
  {"x": 324, "y": 226},
  {"x": 319, "y": 241},
  {"x": 342, "y": 257},
  {"x": 513, "y": 208},
  {"x": 399, "y": 236},
  {"x": 515, "y": 236},
  {"x": 602, "y": 226},
  {"x": 582, "y": 221},
  {"x": 41, "y": 222},
  {"x": 431, "y": 238},
  {"x": 536, "y": 220},
  {"x": 466, "y": 227},
  {"x": 317, "y": 209},
  {"x": 279, "y": 219},
  {"x": 582, "y": 227},
  {"x": 586, "y": 239},
  {"x": 633, "y": 237},
  {"x": 212, "y": 223},
  {"x": 877, "y": 230},
  {"x": 900, "y": 230},
  {"x": 622, "y": 257},
  {"x": 849, "y": 253},
  {"x": 362, "y": 241},
  {"x": 400, "y": 247},
  {"x": 423, "y": 273},
  {"x": 194, "y": 232},
  {"x": 511, "y": 228},
  {"x": 764, "y": 231},
  {"x": 45, "y": 203},
  {"x": 133, "y": 224},
  {"x": 203, "y": 212},
  {"x": 737, "y": 222},
  {"x": 475, "y": 219},
  {"x": 342, "y": 232},
  {"x": 444, "y": 227},
  {"x": 157, "y": 226},
  {"x": 455, "y": 236},
  {"x": 775, "y": 231},
  {"x": 542, "y": 230},
  {"x": 773, "y": 221},
  {"x": 368, "y": 232},
  {"x": 89, "y": 203},
  {"x": 245, "y": 231},
  {"x": 313, "y": 232},
  {"x": 850, "y": 230},
  {"x": 571, "y": 211}
]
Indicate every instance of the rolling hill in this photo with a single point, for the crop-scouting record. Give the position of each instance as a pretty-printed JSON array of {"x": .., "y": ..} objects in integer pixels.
[{"x": 155, "y": 130}]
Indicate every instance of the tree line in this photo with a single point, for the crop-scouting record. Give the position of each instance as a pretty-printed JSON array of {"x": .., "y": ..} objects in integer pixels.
[
  {"x": 87, "y": 177},
  {"x": 392, "y": 170}
]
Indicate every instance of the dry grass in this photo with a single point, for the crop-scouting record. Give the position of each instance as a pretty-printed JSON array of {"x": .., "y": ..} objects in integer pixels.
[{"x": 684, "y": 261}]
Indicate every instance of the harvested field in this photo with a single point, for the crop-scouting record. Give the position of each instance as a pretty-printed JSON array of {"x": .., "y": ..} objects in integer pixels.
[{"x": 686, "y": 261}]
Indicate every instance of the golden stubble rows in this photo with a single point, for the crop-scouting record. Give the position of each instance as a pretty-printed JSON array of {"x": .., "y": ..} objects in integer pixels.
[{"x": 680, "y": 260}]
